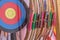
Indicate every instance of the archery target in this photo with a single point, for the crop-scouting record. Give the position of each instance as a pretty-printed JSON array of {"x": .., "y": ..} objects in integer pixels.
[{"x": 13, "y": 15}]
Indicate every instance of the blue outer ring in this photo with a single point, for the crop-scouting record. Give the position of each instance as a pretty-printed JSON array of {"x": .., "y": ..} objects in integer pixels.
[{"x": 20, "y": 22}]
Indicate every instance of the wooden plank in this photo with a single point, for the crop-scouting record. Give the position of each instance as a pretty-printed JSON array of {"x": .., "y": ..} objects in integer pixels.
[
  {"x": 58, "y": 19},
  {"x": 58, "y": 5}
]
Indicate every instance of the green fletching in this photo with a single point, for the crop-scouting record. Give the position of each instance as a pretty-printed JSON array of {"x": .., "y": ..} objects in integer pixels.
[
  {"x": 51, "y": 15},
  {"x": 50, "y": 21},
  {"x": 33, "y": 25},
  {"x": 34, "y": 21},
  {"x": 35, "y": 17}
]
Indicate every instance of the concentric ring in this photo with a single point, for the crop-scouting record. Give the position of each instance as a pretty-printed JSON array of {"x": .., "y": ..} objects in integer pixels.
[
  {"x": 10, "y": 13},
  {"x": 8, "y": 18},
  {"x": 21, "y": 20}
]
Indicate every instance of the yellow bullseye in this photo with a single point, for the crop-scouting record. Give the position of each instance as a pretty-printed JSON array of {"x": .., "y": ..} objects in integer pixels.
[{"x": 10, "y": 13}]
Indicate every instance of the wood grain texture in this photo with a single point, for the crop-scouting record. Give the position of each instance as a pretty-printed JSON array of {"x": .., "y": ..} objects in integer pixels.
[{"x": 58, "y": 18}]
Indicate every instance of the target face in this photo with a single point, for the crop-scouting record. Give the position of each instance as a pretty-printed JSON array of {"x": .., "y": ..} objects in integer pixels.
[{"x": 13, "y": 14}]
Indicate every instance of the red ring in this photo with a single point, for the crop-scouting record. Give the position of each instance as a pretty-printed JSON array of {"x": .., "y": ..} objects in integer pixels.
[
  {"x": 18, "y": 13},
  {"x": 0, "y": 13}
]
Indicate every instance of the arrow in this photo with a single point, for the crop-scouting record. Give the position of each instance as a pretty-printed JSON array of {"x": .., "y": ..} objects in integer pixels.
[
  {"x": 38, "y": 20},
  {"x": 34, "y": 20},
  {"x": 54, "y": 17},
  {"x": 31, "y": 14}
]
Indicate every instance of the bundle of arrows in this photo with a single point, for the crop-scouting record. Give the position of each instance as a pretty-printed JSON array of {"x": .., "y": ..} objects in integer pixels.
[{"x": 42, "y": 20}]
